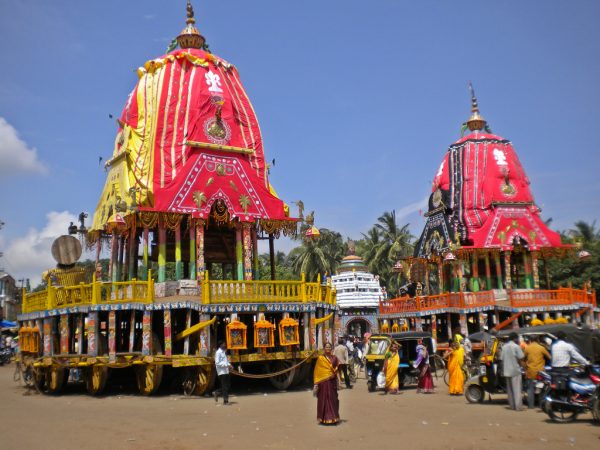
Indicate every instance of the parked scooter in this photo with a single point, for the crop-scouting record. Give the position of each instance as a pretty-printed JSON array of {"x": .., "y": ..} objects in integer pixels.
[
  {"x": 5, "y": 356},
  {"x": 572, "y": 393}
]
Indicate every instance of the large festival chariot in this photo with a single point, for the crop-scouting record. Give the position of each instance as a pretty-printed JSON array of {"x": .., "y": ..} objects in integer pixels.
[{"x": 187, "y": 193}]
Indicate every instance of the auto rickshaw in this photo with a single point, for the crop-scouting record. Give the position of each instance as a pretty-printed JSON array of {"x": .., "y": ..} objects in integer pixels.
[
  {"x": 490, "y": 377},
  {"x": 378, "y": 346}
]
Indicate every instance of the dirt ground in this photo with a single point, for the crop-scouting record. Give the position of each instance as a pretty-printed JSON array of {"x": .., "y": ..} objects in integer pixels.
[{"x": 263, "y": 418}]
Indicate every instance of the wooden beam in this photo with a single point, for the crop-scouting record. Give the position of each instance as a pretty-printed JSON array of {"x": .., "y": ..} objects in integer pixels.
[
  {"x": 223, "y": 148},
  {"x": 508, "y": 321}
]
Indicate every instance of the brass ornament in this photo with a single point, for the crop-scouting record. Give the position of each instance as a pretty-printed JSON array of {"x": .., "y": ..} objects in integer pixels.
[
  {"x": 220, "y": 169},
  {"x": 199, "y": 199},
  {"x": 233, "y": 186},
  {"x": 244, "y": 202},
  {"x": 210, "y": 181},
  {"x": 437, "y": 198},
  {"x": 502, "y": 237},
  {"x": 217, "y": 130}
]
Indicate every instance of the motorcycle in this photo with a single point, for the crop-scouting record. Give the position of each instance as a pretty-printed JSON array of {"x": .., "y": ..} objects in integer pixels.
[
  {"x": 5, "y": 356},
  {"x": 572, "y": 393},
  {"x": 543, "y": 386}
]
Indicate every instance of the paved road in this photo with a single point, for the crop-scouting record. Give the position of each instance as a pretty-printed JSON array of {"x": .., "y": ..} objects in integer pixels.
[{"x": 263, "y": 418}]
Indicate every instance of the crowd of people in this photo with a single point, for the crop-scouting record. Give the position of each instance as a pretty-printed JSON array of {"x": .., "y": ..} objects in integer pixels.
[{"x": 334, "y": 366}]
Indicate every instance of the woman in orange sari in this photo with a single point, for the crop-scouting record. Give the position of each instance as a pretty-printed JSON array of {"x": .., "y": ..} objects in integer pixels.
[
  {"x": 390, "y": 369},
  {"x": 325, "y": 388},
  {"x": 456, "y": 359}
]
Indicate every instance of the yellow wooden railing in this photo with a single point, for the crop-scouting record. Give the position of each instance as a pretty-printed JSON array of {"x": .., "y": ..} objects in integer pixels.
[
  {"x": 222, "y": 292},
  {"x": 86, "y": 294},
  {"x": 212, "y": 292}
]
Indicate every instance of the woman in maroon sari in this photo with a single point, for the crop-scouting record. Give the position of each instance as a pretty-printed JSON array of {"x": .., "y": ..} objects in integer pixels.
[
  {"x": 325, "y": 388},
  {"x": 425, "y": 385}
]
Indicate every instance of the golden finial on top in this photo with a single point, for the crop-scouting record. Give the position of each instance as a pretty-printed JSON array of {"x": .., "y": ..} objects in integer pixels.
[
  {"x": 190, "y": 13},
  {"x": 190, "y": 37},
  {"x": 476, "y": 122}
]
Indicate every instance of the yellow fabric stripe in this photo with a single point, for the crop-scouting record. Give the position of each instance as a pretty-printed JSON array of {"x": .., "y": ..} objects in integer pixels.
[
  {"x": 164, "y": 130},
  {"x": 176, "y": 121},
  {"x": 236, "y": 103},
  {"x": 236, "y": 78},
  {"x": 187, "y": 111}
]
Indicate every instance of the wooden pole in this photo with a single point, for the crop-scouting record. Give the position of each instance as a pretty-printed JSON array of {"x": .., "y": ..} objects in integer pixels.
[
  {"x": 167, "y": 332},
  {"x": 112, "y": 336},
  {"x": 200, "y": 268},
  {"x": 162, "y": 254},
  {"x": 132, "y": 331},
  {"x": 507, "y": 276},
  {"x": 535, "y": 270},
  {"x": 188, "y": 324},
  {"x": 272, "y": 255},
  {"x": 112, "y": 265},
  {"x": 527, "y": 269},
  {"x": 474, "y": 272},
  {"x": 147, "y": 333},
  {"x": 255, "y": 261},
  {"x": 488, "y": 273},
  {"x": 247, "y": 247},
  {"x": 178, "y": 261},
  {"x": 64, "y": 334},
  {"x": 192, "y": 263},
  {"x": 92, "y": 333},
  {"x": 121, "y": 258},
  {"x": 132, "y": 273},
  {"x": 145, "y": 254},
  {"x": 239, "y": 254},
  {"x": 498, "y": 270}
]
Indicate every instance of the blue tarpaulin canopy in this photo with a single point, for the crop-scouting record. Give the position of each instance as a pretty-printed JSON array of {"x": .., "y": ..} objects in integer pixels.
[{"x": 7, "y": 324}]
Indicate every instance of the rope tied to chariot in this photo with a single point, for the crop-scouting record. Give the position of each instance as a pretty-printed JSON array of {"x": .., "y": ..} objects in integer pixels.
[{"x": 273, "y": 374}]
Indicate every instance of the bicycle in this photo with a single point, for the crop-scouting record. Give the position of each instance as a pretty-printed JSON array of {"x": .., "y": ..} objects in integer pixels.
[{"x": 23, "y": 374}]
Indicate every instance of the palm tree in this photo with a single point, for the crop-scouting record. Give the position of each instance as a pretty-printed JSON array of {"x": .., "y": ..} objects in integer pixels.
[
  {"x": 386, "y": 242},
  {"x": 584, "y": 232},
  {"x": 318, "y": 256}
]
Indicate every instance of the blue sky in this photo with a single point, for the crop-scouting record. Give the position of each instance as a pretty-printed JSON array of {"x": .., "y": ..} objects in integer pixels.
[{"x": 358, "y": 101}]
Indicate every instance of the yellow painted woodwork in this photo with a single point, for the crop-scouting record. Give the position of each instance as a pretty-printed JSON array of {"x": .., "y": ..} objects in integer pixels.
[{"x": 194, "y": 329}]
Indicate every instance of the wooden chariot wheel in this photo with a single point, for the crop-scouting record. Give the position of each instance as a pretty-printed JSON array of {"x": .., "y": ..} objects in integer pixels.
[
  {"x": 50, "y": 380},
  {"x": 96, "y": 375},
  {"x": 285, "y": 380},
  {"x": 149, "y": 375},
  {"x": 205, "y": 379}
]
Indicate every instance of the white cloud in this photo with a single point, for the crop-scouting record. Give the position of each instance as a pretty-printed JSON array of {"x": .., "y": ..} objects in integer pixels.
[
  {"x": 30, "y": 255},
  {"x": 411, "y": 208},
  {"x": 15, "y": 155}
]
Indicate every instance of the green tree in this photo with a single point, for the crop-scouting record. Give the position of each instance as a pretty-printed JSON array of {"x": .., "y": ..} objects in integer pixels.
[
  {"x": 320, "y": 256},
  {"x": 571, "y": 269},
  {"x": 384, "y": 244},
  {"x": 283, "y": 267}
]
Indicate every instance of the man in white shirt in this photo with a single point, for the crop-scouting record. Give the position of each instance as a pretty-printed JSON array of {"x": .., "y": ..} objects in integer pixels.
[
  {"x": 512, "y": 356},
  {"x": 341, "y": 353},
  {"x": 564, "y": 353},
  {"x": 223, "y": 368}
]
